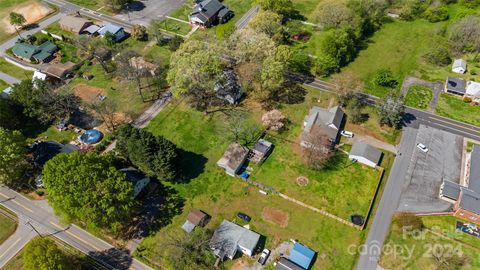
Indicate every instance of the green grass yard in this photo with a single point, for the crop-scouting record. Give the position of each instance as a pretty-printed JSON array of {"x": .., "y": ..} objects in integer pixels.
[
  {"x": 7, "y": 225},
  {"x": 425, "y": 244},
  {"x": 3, "y": 85},
  {"x": 176, "y": 27},
  {"x": 418, "y": 97},
  {"x": 14, "y": 71},
  {"x": 52, "y": 134},
  {"x": 453, "y": 107}
]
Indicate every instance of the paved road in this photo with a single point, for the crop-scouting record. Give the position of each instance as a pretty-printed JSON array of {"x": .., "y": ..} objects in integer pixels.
[
  {"x": 42, "y": 219},
  {"x": 16, "y": 241},
  {"x": 388, "y": 203},
  {"x": 8, "y": 79},
  {"x": 144, "y": 119},
  {"x": 243, "y": 22},
  {"x": 142, "y": 12}
]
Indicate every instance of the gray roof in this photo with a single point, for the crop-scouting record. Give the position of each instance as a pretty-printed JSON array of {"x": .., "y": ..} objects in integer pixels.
[
  {"x": 76, "y": 24},
  {"x": 470, "y": 201},
  {"x": 323, "y": 118},
  {"x": 205, "y": 10},
  {"x": 263, "y": 146},
  {"x": 450, "y": 190},
  {"x": 285, "y": 264},
  {"x": 233, "y": 157},
  {"x": 474, "y": 178},
  {"x": 228, "y": 236},
  {"x": 456, "y": 85},
  {"x": 367, "y": 151},
  {"x": 459, "y": 63}
]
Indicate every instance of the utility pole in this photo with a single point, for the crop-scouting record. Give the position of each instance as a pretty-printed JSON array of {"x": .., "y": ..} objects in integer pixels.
[{"x": 28, "y": 222}]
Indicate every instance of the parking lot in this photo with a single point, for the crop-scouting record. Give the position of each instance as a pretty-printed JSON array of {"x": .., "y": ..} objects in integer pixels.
[
  {"x": 142, "y": 12},
  {"x": 427, "y": 171}
]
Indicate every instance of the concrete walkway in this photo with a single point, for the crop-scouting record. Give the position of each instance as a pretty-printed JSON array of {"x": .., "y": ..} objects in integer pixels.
[{"x": 373, "y": 142}]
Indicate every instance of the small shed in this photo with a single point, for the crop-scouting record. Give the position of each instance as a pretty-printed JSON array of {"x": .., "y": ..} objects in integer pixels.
[
  {"x": 260, "y": 151},
  {"x": 233, "y": 159},
  {"x": 365, "y": 154},
  {"x": 195, "y": 218},
  {"x": 459, "y": 66},
  {"x": 302, "y": 256}
]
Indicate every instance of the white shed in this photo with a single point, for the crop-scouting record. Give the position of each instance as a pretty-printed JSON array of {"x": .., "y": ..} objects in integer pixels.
[
  {"x": 459, "y": 66},
  {"x": 365, "y": 154}
]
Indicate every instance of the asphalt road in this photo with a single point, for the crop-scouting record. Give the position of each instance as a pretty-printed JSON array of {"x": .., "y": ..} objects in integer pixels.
[
  {"x": 41, "y": 217},
  {"x": 144, "y": 11}
]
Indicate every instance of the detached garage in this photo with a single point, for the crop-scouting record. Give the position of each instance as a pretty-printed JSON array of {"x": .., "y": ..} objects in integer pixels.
[{"x": 365, "y": 154}]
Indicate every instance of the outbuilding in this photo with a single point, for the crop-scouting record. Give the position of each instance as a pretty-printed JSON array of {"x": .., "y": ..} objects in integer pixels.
[
  {"x": 302, "y": 256},
  {"x": 233, "y": 158},
  {"x": 365, "y": 154},
  {"x": 195, "y": 218},
  {"x": 459, "y": 66}
]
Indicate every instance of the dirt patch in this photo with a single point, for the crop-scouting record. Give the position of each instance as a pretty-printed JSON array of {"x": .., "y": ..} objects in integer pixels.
[
  {"x": 302, "y": 181},
  {"x": 276, "y": 216},
  {"x": 88, "y": 93},
  {"x": 32, "y": 11}
]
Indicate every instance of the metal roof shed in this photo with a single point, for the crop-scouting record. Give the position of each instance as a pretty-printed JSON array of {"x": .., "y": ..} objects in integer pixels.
[{"x": 302, "y": 255}]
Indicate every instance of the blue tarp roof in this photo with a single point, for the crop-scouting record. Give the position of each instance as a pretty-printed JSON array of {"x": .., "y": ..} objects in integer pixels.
[{"x": 302, "y": 255}]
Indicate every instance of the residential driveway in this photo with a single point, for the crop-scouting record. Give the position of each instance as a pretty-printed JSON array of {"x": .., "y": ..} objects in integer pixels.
[
  {"x": 8, "y": 79},
  {"x": 281, "y": 250},
  {"x": 142, "y": 12},
  {"x": 436, "y": 87}
]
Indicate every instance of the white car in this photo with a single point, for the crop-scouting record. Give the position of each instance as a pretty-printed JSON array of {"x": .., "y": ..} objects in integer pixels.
[
  {"x": 422, "y": 147},
  {"x": 263, "y": 258},
  {"x": 346, "y": 133}
]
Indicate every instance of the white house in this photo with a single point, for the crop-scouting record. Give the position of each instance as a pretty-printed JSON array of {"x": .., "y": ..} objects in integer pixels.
[
  {"x": 473, "y": 90},
  {"x": 459, "y": 66},
  {"x": 138, "y": 179},
  {"x": 365, "y": 154},
  {"x": 230, "y": 238}
]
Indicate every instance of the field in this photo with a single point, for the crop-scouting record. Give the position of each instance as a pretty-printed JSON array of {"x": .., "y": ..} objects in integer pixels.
[
  {"x": 418, "y": 97},
  {"x": 426, "y": 246},
  {"x": 32, "y": 10},
  {"x": 14, "y": 71},
  {"x": 7, "y": 225},
  {"x": 453, "y": 107},
  {"x": 174, "y": 26}
]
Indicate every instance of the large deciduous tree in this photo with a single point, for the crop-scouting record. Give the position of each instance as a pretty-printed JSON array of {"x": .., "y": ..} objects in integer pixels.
[
  {"x": 391, "y": 110},
  {"x": 465, "y": 35},
  {"x": 318, "y": 149},
  {"x": 333, "y": 14},
  {"x": 155, "y": 156},
  {"x": 283, "y": 7},
  {"x": 87, "y": 188},
  {"x": 269, "y": 23},
  {"x": 12, "y": 157},
  {"x": 42, "y": 253}
]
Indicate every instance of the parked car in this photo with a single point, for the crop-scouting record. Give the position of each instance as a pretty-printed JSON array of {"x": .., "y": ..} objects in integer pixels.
[
  {"x": 264, "y": 257},
  {"x": 422, "y": 147},
  {"x": 244, "y": 217},
  {"x": 346, "y": 133}
]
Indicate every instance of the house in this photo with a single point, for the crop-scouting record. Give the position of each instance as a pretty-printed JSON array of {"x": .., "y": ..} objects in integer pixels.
[
  {"x": 60, "y": 71},
  {"x": 31, "y": 53},
  {"x": 230, "y": 238},
  {"x": 285, "y": 264},
  {"x": 260, "y": 151},
  {"x": 365, "y": 154},
  {"x": 227, "y": 87},
  {"x": 450, "y": 191},
  {"x": 233, "y": 159},
  {"x": 329, "y": 121},
  {"x": 138, "y": 179},
  {"x": 142, "y": 65},
  {"x": 74, "y": 24},
  {"x": 91, "y": 30},
  {"x": 473, "y": 90},
  {"x": 117, "y": 32},
  {"x": 209, "y": 12},
  {"x": 38, "y": 75},
  {"x": 302, "y": 256},
  {"x": 44, "y": 151},
  {"x": 459, "y": 66},
  {"x": 455, "y": 86},
  {"x": 195, "y": 218}
]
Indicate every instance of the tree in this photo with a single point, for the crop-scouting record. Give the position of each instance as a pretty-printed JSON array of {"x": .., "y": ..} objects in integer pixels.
[
  {"x": 195, "y": 68},
  {"x": 11, "y": 114},
  {"x": 282, "y": 7},
  {"x": 192, "y": 251},
  {"x": 384, "y": 77},
  {"x": 465, "y": 35},
  {"x": 346, "y": 86},
  {"x": 107, "y": 111},
  {"x": 269, "y": 23},
  {"x": 354, "y": 107},
  {"x": 438, "y": 53},
  {"x": 371, "y": 12},
  {"x": 13, "y": 164},
  {"x": 17, "y": 20},
  {"x": 318, "y": 149},
  {"x": 87, "y": 188},
  {"x": 333, "y": 14},
  {"x": 92, "y": 48},
  {"x": 155, "y": 156},
  {"x": 242, "y": 131},
  {"x": 42, "y": 102},
  {"x": 42, "y": 253},
  {"x": 139, "y": 32},
  {"x": 273, "y": 120},
  {"x": 437, "y": 12},
  {"x": 391, "y": 110}
]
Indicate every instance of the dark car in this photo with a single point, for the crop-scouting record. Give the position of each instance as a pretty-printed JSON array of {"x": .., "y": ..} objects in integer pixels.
[{"x": 244, "y": 217}]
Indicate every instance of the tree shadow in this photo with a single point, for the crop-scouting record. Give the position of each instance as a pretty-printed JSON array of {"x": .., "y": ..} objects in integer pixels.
[
  {"x": 290, "y": 93},
  {"x": 83, "y": 120},
  {"x": 114, "y": 258},
  {"x": 407, "y": 119},
  {"x": 191, "y": 164},
  {"x": 134, "y": 6}
]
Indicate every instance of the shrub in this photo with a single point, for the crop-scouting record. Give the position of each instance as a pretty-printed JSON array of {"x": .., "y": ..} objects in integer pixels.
[
  {"x": 438, "y": 54},
  {"x": 174, "y": 43},
  {"x": 467, "y": 99},
  {"x": 325, "y": 65},
  {"x": 436, "y": 14},
  {"x": 473, "y": 72},
  {"x": 385, "y": 78}
]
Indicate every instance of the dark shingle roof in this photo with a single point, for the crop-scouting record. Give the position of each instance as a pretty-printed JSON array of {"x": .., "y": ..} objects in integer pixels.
[
  {"x": 474, "y": 178},
  {"x": 205, "y": 10},
  {"x": 263, "y": 146},
  {"x": 285, "y": 264},
  {"x": 456, "y": 85},
  {"x": 450, "y": 190},
  {"x": 323, "y": 118},
  {"x": 470, "y": 201}
]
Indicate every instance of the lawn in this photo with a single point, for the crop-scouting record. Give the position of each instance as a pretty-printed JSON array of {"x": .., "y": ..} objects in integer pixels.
[
  {"x": 426, "y": 244},
  {"x": 419, "y": 97},
  {"x": 182, "y": 12},
  {"x": 14, "y": 71},
  {"x": 176, "y": 27},
  {"x": 3, "y": 85},
  {"x": 94, "y": 5},
  {"x": 453, "y": 107},
  {"x": 52, "y": 134},
  {"x": 7, "y": 224}
]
